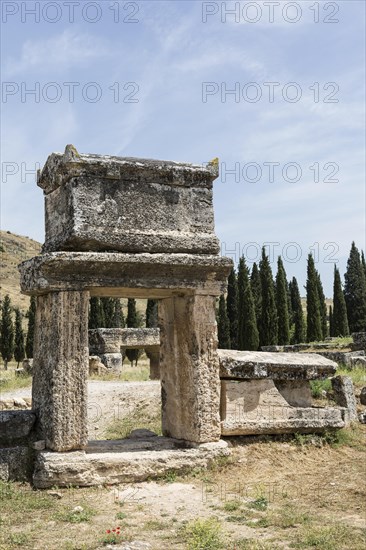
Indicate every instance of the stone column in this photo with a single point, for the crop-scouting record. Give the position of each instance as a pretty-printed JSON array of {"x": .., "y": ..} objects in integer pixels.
[
  {"x": 189, "y": 368},
  {"x": 154, "y": 356},
  {"x": 59, "y": 393}
]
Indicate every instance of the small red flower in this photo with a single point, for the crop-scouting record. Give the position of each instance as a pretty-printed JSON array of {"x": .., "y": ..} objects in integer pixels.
[{"x": 108, "y": 531}]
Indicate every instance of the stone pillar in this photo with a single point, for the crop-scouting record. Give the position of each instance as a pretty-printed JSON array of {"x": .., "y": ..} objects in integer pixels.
[
  {"x": 154, "y": 357},
  {"x": 189, "y": 368},
  {"x": 61, "y": 354}
]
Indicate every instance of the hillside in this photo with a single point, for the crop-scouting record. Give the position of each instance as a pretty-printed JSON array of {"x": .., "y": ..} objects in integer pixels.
[{"x": 14, "y": 250}]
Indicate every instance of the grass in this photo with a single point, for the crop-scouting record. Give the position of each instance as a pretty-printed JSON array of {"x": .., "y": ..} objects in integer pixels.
[
  {"x": 141, "y": 373},
  {"x": 330, "y": 537},
  {"x": 141, "y": 417},
  {"x": 75, "y": 515},
  {"x": 318, "y": 386},
  {"x": 9, "y": 381},
  {"x": 357, "y": 374},
  {"x": 204, "y": 534},
  {"x": 347, "y": 437}
]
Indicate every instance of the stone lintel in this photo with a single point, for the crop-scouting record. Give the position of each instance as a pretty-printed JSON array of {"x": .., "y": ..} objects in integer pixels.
[
  {"x": 111, "y": 340},
  {"x": 248, "y": 365},
  {"x": 61, "y": 167},
  {"x": 125, "y": 275}
]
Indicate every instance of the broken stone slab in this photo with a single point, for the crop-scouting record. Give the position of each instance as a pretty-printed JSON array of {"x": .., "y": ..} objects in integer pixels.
[
  {"x": 359, "y": 341},
  {"x": 96, "y": 366},
  {"x": 302, "y": 420},
  {"x": 28, "y": 365},
  {"x": 86, "y": 469},
  {"x": 100, "y": 202},
  {"x": 16, "y": 463},
  {"x": 112, "y": 362},
  {"x": 363, "y": 396},
  {"x": 111, "y": 340},
  {"x": 249, "y": 365},
  {"x": 344, "y": 395},
  {"x": 125, "y": 275},
  {"x": 15, "y": 425}
]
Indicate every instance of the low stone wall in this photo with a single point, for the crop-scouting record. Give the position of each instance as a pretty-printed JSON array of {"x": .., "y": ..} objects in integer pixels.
[{"x": 17, "y": 437}]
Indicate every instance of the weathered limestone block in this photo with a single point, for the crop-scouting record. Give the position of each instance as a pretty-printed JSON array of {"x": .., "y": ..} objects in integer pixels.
[
  {"x": 154, "y": 355},
  {"x": 359, "y": 341},
  {"x": 16, "y": 425},
  {"x": 112, "y": 362},
  {"x": 262, "y": 400},
  {"x": 16, "y": 463},
  {"x": 294, "y": 419},
  {"x": 344, "y": 395},
  {"x": 111, "y": 340},
  {"x": 363, "y": 396},
  {"x": 61, "y": 358},
  {"x": 125, "y": 275},
  {"x": 124, "y": 461},
  {"x": 96, "y": 366},
  {"x": 276, "y": 366},
  {"x": 100, "y": 202},
  {"x": 28, "y": 365},
  {"x": 189, "y": 368}
]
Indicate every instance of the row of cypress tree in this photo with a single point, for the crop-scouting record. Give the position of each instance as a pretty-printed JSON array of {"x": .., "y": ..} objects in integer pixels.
[
  {"x": 261, "y": 311},
  {"x": 13, "y": 342}
]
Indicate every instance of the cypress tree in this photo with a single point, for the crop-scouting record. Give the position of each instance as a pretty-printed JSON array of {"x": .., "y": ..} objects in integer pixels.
[
  {"x": 323, "y": 308},
  {"x": 31, "y": 314},
  {"x": 248, "y": 338},
  {"x": 19, "y": 351},
  {"x": 282, "y": 304},
  {"x": 152, "y": 314},
  {"x": 109, "y": 306},
  {"x": 118, "y": 320},
  {"x": 255, "y": 282},
  {"x": 96, "y": 314},
  {"x": 331, "y": 329},
  {"x": 268, "y": 323},
  {"x": 363, "y": 262},
  {"x": 132, "y": 322},
  {"x": 339, "y": 313},
  {"x": 7, "y": 332},
  {"x": 314, "y": 326},
  {"x": 297, "y": 313},
  {"x": 232, "y": 308},
  {"x": 223, "y": 325},
  {"x": 355, "y": 291}
]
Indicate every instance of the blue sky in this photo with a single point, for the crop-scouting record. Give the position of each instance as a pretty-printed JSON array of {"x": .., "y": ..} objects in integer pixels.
[{"x": 177, "y": 61}]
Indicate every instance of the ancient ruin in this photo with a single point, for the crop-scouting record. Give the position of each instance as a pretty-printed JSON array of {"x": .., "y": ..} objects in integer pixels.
[
  {"x": 126, "y": 227},
  {"x": 108, "y": 345}
]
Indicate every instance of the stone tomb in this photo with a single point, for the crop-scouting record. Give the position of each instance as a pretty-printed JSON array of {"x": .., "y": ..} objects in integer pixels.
[
  {"x": 126, "y": 228},
  {"x": 269, "y": 393},
  {"x": 108, "y": 343}
]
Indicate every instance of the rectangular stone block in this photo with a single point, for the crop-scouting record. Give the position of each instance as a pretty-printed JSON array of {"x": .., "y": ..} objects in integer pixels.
[
  {"x": 101, "y": 203},
  {"x": 249, "y": 365},
  {"x": 125, "y": 275},
  {"x": 189, "y": 368},
  {"x": 61, "y": 359}
]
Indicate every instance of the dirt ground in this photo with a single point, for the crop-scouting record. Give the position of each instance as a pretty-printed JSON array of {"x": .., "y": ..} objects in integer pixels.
[{"x": 304, "y": 492}]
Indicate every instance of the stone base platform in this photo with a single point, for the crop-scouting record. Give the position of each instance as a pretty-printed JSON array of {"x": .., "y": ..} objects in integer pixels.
[
  {"x": 123, "y": 461},
  {"x": 287, "y": 420}
]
